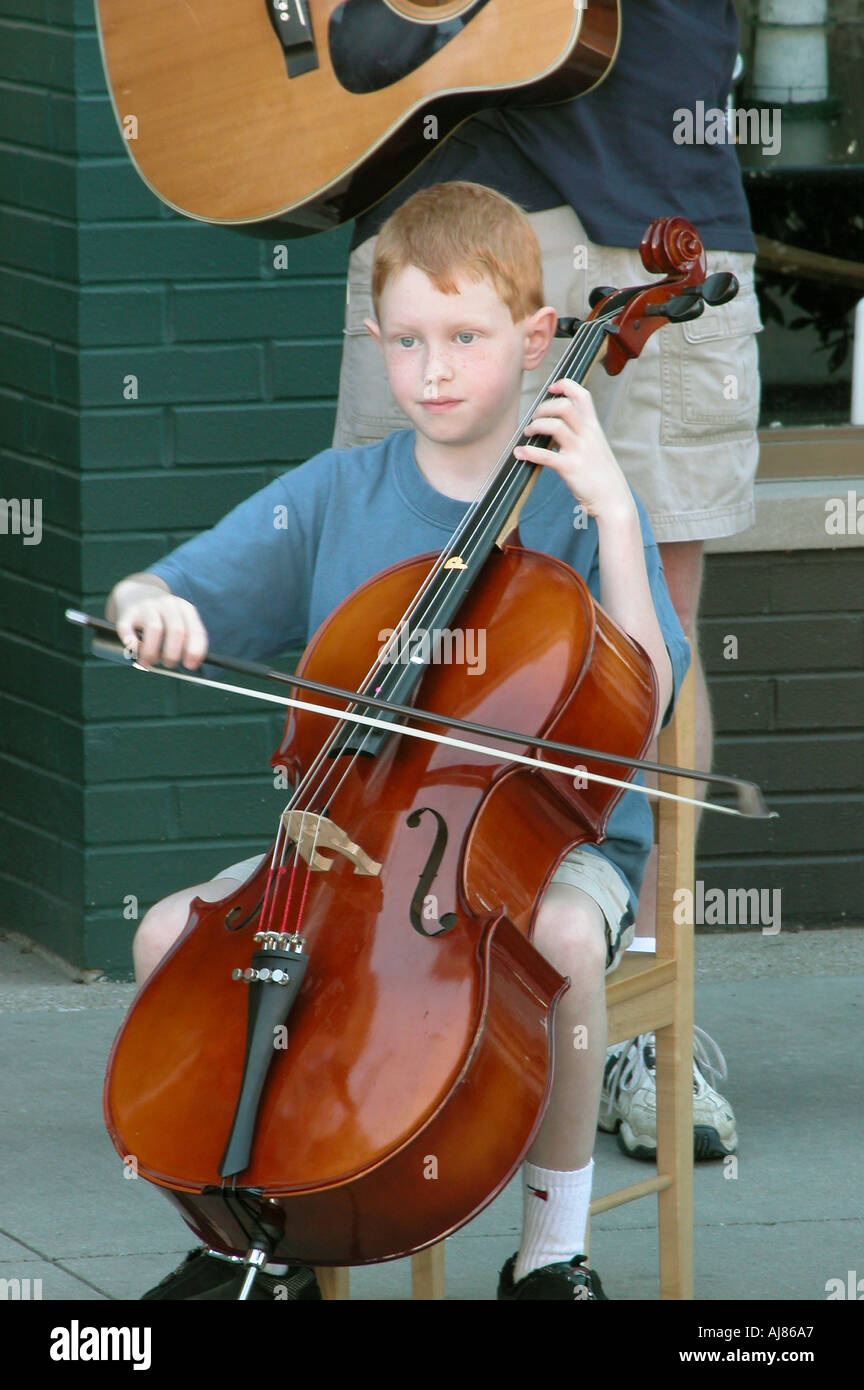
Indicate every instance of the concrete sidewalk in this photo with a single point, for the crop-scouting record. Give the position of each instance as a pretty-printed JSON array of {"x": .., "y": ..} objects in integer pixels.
[{"x": 787, "y": 1011}]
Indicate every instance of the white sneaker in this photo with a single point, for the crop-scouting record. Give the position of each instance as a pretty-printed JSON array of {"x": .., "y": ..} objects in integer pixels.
[{"x": 628, "y": 1102}]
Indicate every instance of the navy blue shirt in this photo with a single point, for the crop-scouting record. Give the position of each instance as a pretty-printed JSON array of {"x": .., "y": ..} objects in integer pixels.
[
  {"x": 269, "y": 573},
  {"x": 610, "y": 155}
]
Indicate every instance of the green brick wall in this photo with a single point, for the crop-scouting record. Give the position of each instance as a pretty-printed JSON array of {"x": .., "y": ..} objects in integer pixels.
[
  {"x": 113, "y": 785},
  {"x": 117, "y": 786},
  {"x": 789, "y": 715}
]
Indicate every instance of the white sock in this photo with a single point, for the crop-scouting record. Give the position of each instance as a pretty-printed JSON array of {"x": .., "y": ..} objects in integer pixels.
[
  {"x": 553, "y": 1224},
  {"x": 275, "y": 1269}
]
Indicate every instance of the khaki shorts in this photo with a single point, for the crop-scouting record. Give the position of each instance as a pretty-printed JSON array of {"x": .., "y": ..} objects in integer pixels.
[
  {"x": 681, "y": 418},
  {"x": 580, "y": 869}
]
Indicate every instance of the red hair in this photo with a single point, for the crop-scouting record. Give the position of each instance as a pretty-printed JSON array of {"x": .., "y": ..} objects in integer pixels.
[{"x": 454, "y": 227}]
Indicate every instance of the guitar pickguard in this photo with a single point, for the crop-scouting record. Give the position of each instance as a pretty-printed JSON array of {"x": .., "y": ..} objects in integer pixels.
[{"x": 371, "y": 46}]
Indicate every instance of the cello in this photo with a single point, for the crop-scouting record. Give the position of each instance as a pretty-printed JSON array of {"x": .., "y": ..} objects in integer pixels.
[{"x": 289, "y": 1098}]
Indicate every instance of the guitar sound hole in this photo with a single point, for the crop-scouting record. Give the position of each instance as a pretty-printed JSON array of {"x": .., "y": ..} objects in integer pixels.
[
  {"x": 375, "y": 43},
  {"x": 430, "y": 10}
]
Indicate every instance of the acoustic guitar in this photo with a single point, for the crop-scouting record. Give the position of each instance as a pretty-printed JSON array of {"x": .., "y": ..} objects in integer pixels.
[{"x": 305, "y": 113}]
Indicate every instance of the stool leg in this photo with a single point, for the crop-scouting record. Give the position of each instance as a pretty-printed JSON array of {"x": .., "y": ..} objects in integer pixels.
[
  {"x": 674, "y": 1073},
  {"x": 334, "y": 1283},
  {"x": 427, "y": 1272}
]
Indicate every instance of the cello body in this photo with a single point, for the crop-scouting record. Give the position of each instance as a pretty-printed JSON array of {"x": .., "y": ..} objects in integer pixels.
[{"x": 414, "y": 1068}]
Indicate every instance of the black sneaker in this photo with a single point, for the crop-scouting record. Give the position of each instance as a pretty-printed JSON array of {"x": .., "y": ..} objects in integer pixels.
[
  {"x": 200, "y": 1271},
  {"x": 298, "y": 1284},
  {"x": 205, "y": 1275},
  {"x": 573, "y": 1280}
]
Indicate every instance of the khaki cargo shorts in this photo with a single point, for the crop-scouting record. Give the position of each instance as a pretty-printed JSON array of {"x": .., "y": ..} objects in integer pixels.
[
  {"x": 594, "y": 874},
  {"x": 681, "y": 418}
]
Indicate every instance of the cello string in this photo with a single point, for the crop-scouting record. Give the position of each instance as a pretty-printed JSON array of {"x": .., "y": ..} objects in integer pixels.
[
  {"x": 284, "y": 927},
  {"x": 268, "y": 902}
]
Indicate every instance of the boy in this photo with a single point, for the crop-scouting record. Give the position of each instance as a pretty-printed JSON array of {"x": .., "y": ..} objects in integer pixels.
[{"x": 459, "y": 315}]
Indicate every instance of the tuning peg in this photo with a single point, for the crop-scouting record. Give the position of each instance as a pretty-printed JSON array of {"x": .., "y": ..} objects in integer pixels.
[
  {"x": 600, "y": 292},
  {"x": 565, "y": 328},
  {"x": 680, "y": 309},
  {"x": 719, "y": 288}
]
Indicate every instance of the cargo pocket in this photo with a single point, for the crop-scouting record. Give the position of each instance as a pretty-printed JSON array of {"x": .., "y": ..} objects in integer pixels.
[{"x": 710, "y": 370}]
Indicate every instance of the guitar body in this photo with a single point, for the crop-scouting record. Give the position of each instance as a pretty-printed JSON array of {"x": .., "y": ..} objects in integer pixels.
[{"x": 238, "y": 120}]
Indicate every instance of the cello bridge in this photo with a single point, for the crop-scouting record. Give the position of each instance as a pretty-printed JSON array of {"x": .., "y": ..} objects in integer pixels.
[{"x": 311, "y": 833}]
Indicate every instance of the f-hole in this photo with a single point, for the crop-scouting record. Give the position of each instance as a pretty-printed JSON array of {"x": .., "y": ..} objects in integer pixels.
[
  {"x": 427, "y": 875},
  {"x": 231, "y": 923}
]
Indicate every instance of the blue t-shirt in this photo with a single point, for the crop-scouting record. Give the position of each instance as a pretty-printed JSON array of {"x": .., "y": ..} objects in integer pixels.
[
  {"x": 269, "y": 573},
  {"x": 610, "y": 155}
]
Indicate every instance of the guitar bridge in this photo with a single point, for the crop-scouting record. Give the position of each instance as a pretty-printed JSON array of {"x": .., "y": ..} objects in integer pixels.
[{"x": 293, "y": 28}]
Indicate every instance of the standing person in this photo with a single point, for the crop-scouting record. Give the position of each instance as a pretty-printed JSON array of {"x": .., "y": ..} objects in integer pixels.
[{"x": 681, "y": 420}]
